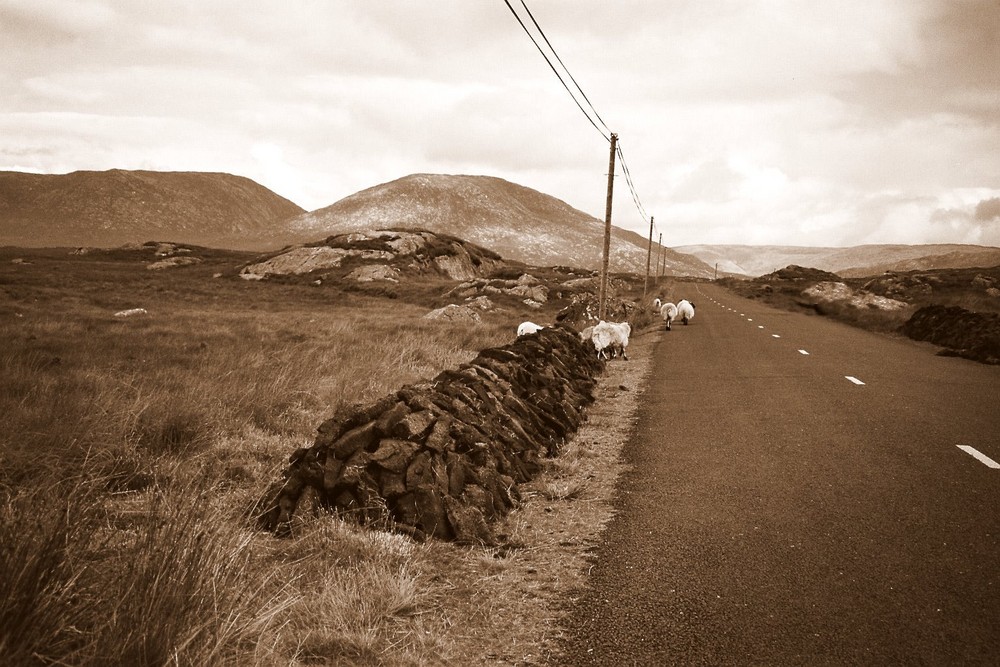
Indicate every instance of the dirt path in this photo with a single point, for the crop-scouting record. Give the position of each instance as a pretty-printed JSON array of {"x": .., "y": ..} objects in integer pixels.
[{"x": 556, "y": 531}]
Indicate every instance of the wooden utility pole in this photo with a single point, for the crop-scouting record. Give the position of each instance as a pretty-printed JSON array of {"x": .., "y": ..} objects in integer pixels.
[
  {"x": 659, "y": 260},
  {"x": 649, "y": 255},
  {"x": 602, "y": 307}
]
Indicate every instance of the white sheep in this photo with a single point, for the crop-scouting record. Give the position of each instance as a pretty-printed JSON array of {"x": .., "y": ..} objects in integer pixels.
[
  {"x": 526, "y": 328},
  {"x": 685, "y": 310},
  {"x": 613, "y": 336},
  {"x": 668, "y": 311}
]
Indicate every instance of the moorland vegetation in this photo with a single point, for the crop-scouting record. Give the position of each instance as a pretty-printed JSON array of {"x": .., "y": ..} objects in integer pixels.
[
  {"x": 957, "y": 309},
  {"x": 135, "y": 448}
]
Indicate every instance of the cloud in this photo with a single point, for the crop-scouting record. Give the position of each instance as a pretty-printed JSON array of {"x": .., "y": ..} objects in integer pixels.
[
  {"x": 741, "y": 121},
  {"x": 988, "y": 210}
]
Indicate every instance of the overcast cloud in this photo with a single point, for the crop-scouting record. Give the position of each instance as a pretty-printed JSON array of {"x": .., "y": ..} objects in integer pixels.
[{"x": 742, "y": 121}]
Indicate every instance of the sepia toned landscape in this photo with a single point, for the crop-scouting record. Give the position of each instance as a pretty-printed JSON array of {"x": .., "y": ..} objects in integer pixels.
[
  {"x": 360, "y": 334},
  {"x": 153, "y": 394}
]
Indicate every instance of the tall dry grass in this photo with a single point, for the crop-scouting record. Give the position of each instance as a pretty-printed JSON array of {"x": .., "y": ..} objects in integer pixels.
[{"x": 131, "y": 451}]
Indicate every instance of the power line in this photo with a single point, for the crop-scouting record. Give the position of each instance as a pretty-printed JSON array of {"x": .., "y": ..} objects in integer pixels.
[
  {"x": 571, "y": 77},
  {"x": 606, "y": 132},
  {"x": 631, "y": 185},
  {"x": 555, "y": 71}
]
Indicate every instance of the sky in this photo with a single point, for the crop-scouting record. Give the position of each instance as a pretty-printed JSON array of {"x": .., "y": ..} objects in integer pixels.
[{"x": 790, "y": 122}]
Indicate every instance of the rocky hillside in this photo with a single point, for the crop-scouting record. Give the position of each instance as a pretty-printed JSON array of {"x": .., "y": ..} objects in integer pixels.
[
  {"x": 111, "y": 208},
  {"x": 857, "y": 261},
  {"x": 515, "y": 221},
  {"x": 378, "y": 256}
]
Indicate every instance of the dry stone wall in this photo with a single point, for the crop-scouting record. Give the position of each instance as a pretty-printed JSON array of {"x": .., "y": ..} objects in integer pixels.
[
  {"x": 965, "y": 333},
  {"x": 444, "y": 458}
]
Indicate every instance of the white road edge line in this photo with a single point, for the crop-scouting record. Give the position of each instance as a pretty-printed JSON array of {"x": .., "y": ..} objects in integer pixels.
[
  {"x": 854, "y": 379},
  {"x": 979, "y": 456}
]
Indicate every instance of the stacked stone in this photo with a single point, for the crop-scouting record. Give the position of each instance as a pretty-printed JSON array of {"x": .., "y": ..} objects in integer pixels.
[
  {"x": 967, "y": 334},
  {"x": 443, "y": 457}
]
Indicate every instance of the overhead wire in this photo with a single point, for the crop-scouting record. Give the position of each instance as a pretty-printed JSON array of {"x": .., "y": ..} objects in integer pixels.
[
  {"x": 605, "y": 132},
  {"x": 555, "y": 71},
  {"x": 631, "y": 185},
  {"x": 570, "y": 74}
]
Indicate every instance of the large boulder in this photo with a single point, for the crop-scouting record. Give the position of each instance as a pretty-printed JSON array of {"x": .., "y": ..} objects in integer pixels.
[
  {"x": 837, "y": 292},
  {"x": 391, "y": 251}
]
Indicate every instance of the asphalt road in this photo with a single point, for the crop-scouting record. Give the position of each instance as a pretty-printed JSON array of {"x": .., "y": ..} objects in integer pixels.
[{"x": 778, "y": 512}]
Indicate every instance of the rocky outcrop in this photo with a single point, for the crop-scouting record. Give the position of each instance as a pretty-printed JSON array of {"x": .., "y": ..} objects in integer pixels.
[
  {"x": 380, "y": 255},
  {"x": 373, "y": 272},
  {"x": 526, "y": 286},
  {"x": 305, "y": 260},
  {"x": 583, "y": 310},
  {"x": 837, "y": 292},
  {"x": 455, "y": 313},
  {"x": 901, "y": 286},
  {"x": 795, "y": 273},
  {"x": 443, "y": 458},
  {"x": 173, "y": 262}
]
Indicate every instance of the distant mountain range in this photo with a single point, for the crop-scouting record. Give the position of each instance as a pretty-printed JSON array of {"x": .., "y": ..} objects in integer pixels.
[
  {"x": 850, "y": 262},
  {"x": 515, "y": 221},
  {"x": 110, "y": 208}
]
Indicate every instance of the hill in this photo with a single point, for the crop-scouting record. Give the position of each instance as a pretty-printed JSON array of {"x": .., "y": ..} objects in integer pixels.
[
  {"x": 856, "y": 261},
  {"x": 109, "y": 208},
  {"x": 515, "y": 221}
]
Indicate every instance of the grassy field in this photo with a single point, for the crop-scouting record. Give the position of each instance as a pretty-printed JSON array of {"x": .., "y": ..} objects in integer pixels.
[{"x": 134, "y": 449}]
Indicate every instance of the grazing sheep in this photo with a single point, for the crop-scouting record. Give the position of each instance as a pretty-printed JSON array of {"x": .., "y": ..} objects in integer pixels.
[
  {"x": 685, "y": 309},
  {"x": 613, "y": 336},
  {"x": 668, "y": 311},
  {"x": 587, "y": 334},
  {"x": 526, "y": 328}
]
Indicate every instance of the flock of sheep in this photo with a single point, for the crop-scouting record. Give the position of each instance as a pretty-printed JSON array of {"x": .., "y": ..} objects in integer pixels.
[
  {"x": 610, "y": 339},
  {"x": 670, "y": 312}
]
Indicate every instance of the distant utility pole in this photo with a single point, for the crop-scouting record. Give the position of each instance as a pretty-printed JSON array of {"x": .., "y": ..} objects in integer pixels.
[
  {"x": 649, "y": 255},
  {"x": 602, "y": 308},
  {"x": 659, "y": 260}
]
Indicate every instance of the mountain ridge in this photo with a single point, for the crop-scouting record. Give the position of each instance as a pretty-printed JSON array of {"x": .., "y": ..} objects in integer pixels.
[
  {"x": 849, "y": 261},
  {"x": 117, "y": 206},
  {"x": 513, "y": 220}
]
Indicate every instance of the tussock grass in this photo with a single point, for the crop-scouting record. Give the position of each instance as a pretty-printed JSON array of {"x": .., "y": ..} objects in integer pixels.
[
  {"x": 170, "y": 589},
  {"x": 132, "y": 449},
  {"x": 131, "y": 452}
]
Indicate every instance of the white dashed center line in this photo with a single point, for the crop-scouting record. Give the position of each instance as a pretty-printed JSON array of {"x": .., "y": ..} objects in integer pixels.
[
  {"x": 979, "y": 456},
  {"x": 760, "y": 326},
  {"x": 853, "y": 379},
  {"x": 775, "y": 336},
  {"x": 803, "y": 352}
]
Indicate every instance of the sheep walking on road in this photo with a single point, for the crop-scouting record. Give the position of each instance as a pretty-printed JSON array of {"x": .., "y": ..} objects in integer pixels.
[
  {"x": 668, "y": 311},
  {"x": 613, "y": 337},
  {"x": 685, "y": 310},
  {"x": 526, "y": 328}
]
